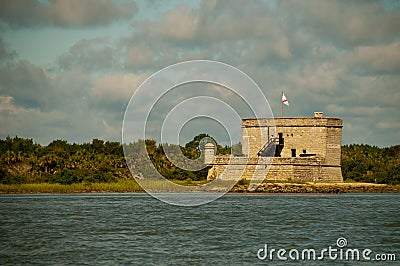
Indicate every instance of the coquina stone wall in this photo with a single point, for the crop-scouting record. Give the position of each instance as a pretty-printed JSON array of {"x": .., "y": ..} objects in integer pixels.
[
  {"x": 277, "y": 169},
  {"x": 317, "y": 139}
]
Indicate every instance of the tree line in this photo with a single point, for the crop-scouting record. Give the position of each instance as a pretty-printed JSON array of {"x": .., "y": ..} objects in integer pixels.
[
  {"x": 365, "y": 163},
  {"x": 24, "y": 161}
]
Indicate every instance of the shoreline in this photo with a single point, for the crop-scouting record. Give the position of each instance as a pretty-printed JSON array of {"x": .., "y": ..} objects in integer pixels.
[
  {"x": 130, "y": 186},
  {"x": 316, "y": 188}
]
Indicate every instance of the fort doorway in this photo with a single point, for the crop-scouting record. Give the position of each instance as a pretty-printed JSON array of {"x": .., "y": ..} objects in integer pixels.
[
  {"x": 293, "y": 152},
  {"x": 280, "y": 138}
]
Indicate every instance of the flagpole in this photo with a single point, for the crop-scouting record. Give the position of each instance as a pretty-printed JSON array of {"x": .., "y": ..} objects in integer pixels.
[{"x": 282, "y": 104}]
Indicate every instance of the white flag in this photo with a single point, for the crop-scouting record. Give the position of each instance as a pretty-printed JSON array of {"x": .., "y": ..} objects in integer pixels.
[{"x": 284, "y": 100}]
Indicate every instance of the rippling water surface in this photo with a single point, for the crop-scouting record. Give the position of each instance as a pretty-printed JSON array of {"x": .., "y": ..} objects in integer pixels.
[{"x": 135, "y": 229}]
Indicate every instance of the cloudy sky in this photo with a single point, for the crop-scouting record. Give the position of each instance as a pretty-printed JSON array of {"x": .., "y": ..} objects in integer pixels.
[{"x": 69, "y": 68}]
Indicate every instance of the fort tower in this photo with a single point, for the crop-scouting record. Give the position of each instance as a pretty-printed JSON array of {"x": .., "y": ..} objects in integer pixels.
[{"x": 303, "y": 149}]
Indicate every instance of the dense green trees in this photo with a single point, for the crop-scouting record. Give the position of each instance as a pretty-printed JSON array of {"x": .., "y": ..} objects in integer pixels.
[
  {"x": 365, "y": 163},
  {"x": 23, "y": 161}
]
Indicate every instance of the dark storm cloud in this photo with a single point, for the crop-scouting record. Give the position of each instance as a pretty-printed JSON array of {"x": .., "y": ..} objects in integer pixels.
[
  {"x": 27, "y": 84},
  {"x": 71, "y": 13},
  {"x": 340, "y": 57},
  {"x": 32, "y": 87},
  {"x": 5, "y": 52},
  {"x": 233, "y": 31},
  {"x": 344, "y": 23}
]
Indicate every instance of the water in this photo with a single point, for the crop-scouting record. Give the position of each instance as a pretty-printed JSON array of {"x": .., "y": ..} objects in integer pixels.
[{"x": 135, "y": 229}]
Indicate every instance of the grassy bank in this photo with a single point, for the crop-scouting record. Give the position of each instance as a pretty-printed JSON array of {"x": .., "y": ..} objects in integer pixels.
[
  {"x": 126, "y": 186},
  {"x": 122, "y": 186}
]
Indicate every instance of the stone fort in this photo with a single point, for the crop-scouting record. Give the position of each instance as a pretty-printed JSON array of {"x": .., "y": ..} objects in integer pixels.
[{"x": 284, "y": 149}]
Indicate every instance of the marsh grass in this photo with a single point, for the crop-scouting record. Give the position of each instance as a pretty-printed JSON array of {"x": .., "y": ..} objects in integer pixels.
[
  {"x": 121, "y": 186},
  {"x": 190, "y": 182},
  {"x": 126, "y": 186}
]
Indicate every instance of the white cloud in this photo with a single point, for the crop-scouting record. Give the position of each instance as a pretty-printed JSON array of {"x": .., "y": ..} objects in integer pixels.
[
  {"x": 355, "y": 111},
  {"x": 6, "y": 103},
  {"x": 389, "y": 125},
  {"x": 375, "y": 60},
  {"x": 90, "y": 55},
  {"x": 140, "y": 56},
  {"x": 114, "y": 91},
  {"x": 178, "y": 24}
]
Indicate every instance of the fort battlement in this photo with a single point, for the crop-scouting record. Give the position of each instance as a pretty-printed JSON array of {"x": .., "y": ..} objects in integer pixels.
[{"x": 298, "y": 148}]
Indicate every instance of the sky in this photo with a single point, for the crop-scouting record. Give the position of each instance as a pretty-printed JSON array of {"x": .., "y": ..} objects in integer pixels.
[{"x": 69, "y": 68}]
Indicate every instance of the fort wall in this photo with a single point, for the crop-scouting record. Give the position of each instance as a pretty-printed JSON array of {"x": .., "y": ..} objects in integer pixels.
[{"x": 310, "y": 150}]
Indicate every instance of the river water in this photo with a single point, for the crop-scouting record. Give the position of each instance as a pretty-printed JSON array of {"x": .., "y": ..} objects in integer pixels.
[{"x": 136, "y": 229}]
